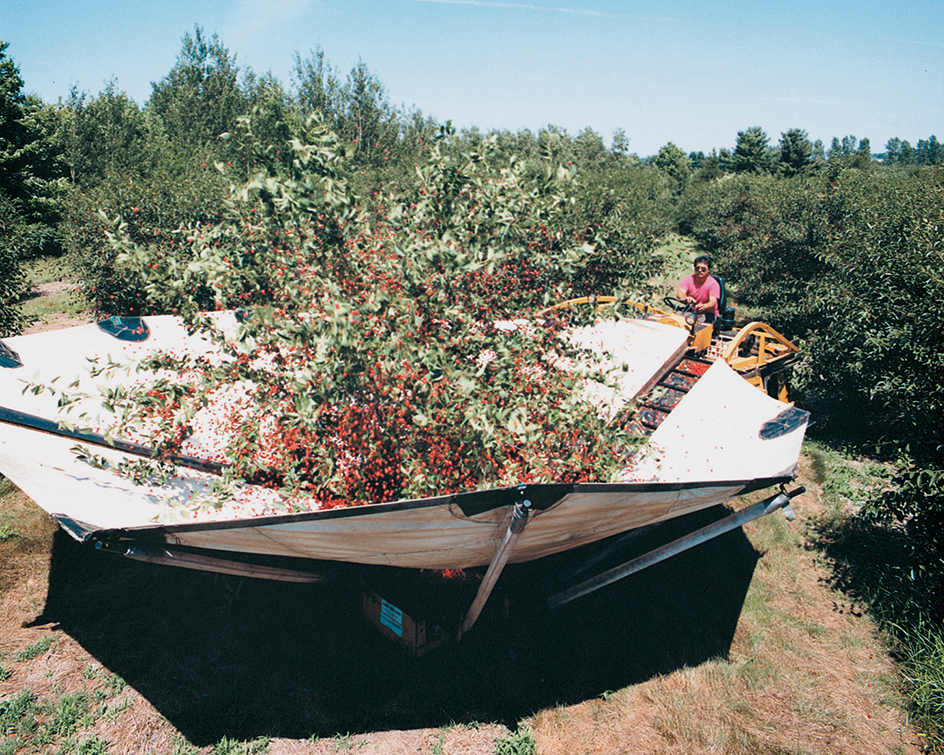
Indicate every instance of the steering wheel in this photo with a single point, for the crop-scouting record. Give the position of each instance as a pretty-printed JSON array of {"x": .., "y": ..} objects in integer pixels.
[
  {"x": 687, "y": 310},
  {"x": 677, "y": 305}
]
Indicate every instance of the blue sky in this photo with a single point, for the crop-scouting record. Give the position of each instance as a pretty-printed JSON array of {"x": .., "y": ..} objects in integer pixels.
[{"x": 693, "y": 73}]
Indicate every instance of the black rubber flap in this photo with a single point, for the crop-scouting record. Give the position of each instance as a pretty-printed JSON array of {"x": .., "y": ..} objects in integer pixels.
[
  {"x": 8, "y": 357},
  {"x": 132, "y": 329},
  {"x": 784, "y": 423}
]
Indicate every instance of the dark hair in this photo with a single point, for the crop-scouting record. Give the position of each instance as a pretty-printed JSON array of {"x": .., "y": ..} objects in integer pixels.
[{"x": 703, "y": 258}]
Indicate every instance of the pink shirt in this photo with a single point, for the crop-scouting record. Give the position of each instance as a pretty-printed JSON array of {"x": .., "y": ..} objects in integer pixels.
[{"x": 701, "y": 294}]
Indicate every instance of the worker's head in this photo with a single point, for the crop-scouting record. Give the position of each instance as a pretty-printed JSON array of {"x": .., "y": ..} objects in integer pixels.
[{"x": 702, "y": 267}]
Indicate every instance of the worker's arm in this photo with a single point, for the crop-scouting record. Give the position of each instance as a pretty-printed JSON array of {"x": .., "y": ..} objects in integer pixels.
[{"x": 708, "y": 306}]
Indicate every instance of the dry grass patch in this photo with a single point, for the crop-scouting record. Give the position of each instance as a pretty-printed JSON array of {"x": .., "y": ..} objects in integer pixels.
[
  {"x": 54, "y": 301},
  {"x": 25, "y": 539},
  {"x": 807, "y": 672},
  {"x": 455, "y": 740}
]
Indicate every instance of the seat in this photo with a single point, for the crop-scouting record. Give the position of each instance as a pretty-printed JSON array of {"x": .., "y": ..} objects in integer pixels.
[{"x": 725, "y": 319}]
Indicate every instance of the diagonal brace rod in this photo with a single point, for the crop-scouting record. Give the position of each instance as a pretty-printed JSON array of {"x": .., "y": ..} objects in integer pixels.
[
  {"x": 735, "y": 520},
  {"x": 519, "y": 518}
]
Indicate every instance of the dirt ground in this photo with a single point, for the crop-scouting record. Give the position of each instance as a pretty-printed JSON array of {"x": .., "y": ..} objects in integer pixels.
[{"x": 55, "y": 321}]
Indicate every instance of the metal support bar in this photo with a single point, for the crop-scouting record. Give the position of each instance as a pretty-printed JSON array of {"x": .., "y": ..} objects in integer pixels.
[
  {"x": 32, "y": 422},
  {"x": 170, "y": 556},
  {"x": 601, "y": 552},
  {"x": 519, "y": 518},
  {"x": 732, "y": 522}
]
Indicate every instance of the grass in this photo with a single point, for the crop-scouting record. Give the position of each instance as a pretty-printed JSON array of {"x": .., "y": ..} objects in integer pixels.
[
  {"x": 520, "y": 742},
  {"x": 32, "y": 725},
  {"x": 228, "y": 746},
  {"x": 48, "y": 270},
  {"x": 921, "y": 643},
  {"x": 35, "y": 650},
  {"x": 873, "y": 566},
  {"x": 61, "y": 300},
  {"x": 56, "y": 719},
  {"x": 26, "y": 533}
]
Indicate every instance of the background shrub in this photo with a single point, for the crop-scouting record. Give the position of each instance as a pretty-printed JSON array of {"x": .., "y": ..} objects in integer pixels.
[
  {"x": 159, "y": 213},
  {"x": 622, "y": 213},
  {"x": 12, "y": 278}
]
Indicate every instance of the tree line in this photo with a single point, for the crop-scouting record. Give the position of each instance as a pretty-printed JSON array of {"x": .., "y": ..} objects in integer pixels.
[{"x": 89, "y": 140}]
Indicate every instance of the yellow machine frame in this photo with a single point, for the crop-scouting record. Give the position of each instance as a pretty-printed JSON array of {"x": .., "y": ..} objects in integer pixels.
[{"x": 760, "y": 354}]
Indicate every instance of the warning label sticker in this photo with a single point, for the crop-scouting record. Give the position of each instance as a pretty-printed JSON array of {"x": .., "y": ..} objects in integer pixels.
[{"x": 391, "y": 617}]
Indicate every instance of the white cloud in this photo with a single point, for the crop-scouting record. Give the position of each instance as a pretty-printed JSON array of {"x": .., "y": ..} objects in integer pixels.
[
  {"x": 925, "y": 43},
  {"x": 516, "y": 6},
  {"x": 251, "y": 21},
  {"x": 549, "y": 9}
]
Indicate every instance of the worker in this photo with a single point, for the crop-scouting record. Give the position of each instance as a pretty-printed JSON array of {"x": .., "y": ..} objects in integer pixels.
[{"x": 700, "y": 290}]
